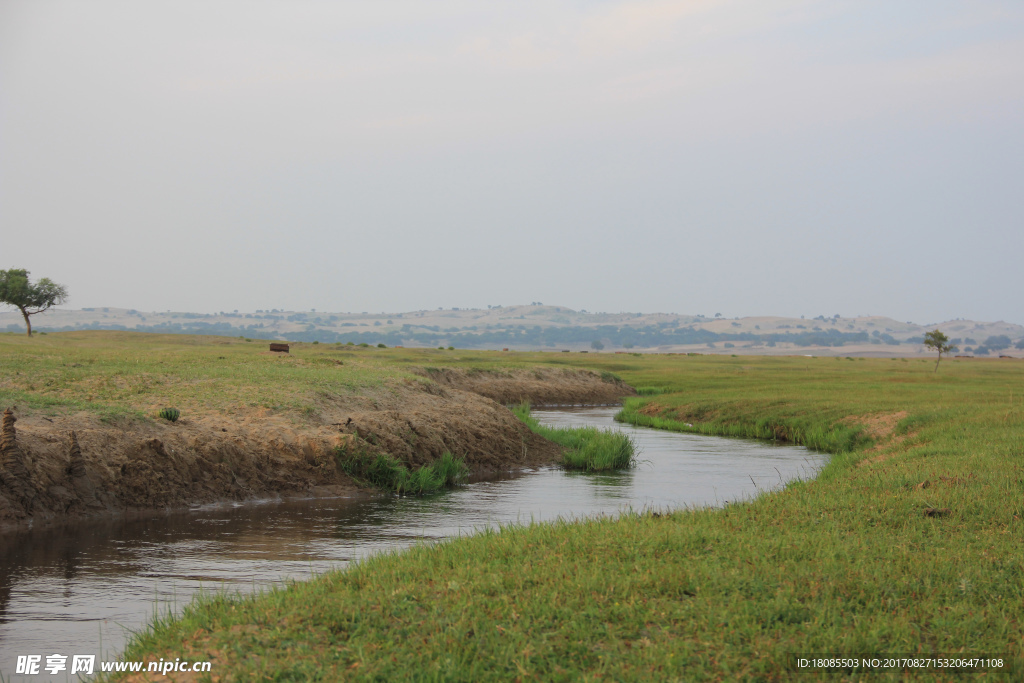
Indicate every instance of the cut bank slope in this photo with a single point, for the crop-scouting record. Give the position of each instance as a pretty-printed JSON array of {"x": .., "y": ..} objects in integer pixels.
[{"x": 83, "y": 438}]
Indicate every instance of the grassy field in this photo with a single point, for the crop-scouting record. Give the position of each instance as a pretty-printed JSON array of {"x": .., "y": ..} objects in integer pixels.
[
  {"x": 908, "y": 542},
  {"x": 126, "y": 374},
  {"x": 133, "y": 375}
]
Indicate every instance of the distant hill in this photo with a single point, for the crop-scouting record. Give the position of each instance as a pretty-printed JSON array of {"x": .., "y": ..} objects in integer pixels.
[{"x": 539, "y": 327}]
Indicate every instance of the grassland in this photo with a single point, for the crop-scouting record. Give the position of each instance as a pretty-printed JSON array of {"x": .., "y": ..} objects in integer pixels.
[
  {"x": 908, "y": 542},
  {"x": 124, "y": 374},
  {"x": 134, "y": 375}
]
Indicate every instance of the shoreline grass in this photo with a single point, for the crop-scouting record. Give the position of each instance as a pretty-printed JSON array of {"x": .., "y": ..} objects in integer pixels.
[
  {"x": 587, "y": 448},
  {"x": 384, "y": 472},
  {"x": 836, "y": 438}
]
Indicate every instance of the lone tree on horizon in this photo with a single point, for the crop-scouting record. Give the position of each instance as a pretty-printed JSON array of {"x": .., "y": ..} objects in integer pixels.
[
  {"x": 18, "y": 291},
  {"x": 940, "y": 342}
]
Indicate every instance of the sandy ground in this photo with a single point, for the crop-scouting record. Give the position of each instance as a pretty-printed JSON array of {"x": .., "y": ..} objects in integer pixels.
[{"x": 67, "y": 467}]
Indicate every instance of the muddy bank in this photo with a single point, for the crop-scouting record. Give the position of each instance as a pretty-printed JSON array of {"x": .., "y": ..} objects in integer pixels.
[
  {"x": 539, "y": 386},
  {"x": 64, "y": 467}
]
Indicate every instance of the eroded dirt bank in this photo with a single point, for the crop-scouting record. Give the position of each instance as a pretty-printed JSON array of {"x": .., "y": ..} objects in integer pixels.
[
  {"x": 540, "y": 385},
  {"x": 63, "y": 467}
]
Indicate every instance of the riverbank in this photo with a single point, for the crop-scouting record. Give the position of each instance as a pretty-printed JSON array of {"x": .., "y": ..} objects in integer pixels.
[
  {"x": 908, "y": 542},
  {"x": 84, "y": 437}
]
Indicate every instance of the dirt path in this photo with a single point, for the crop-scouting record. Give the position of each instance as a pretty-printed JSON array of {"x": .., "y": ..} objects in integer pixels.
[{"x": 54, "y": 469}]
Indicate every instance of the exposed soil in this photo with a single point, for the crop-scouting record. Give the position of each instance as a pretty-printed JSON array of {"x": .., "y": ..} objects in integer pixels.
[
  {"x": 882, "y": 428},
  {"x": 878, "y": 426},
  {"x": 70, "y": 466},
  {"x": 539, "y": 386}
]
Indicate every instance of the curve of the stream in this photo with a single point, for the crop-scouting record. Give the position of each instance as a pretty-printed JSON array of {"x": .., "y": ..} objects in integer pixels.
[{"x": 79, "y": 590}]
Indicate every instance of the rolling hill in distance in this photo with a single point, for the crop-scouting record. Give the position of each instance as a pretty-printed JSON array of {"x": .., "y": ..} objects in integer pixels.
[{"x": 555, "y": 328}]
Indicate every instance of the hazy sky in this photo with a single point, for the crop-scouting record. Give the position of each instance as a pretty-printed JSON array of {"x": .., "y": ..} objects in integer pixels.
[{"x": 761, "y": 157}]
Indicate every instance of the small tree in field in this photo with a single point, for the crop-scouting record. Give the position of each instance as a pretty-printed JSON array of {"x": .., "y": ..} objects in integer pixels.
[
  {"x": 940, "y": 342},
  {"x": 18, "y": 291}
]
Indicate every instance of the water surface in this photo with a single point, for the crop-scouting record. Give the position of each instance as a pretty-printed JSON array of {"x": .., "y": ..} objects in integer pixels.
[{"x": 81, "y": 589}]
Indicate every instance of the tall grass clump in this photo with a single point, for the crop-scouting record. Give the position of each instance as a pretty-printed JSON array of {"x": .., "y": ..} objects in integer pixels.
[
  {"x": 170, "y": 414},
  {"x": 601, "y": 451},
  {"x": 385, "y": 472},
  {"x": 651, "y": 391},
  {"x": 587, "y": 448}
]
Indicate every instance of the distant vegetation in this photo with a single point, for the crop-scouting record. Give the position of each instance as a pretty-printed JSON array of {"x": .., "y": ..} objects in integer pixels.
[
  {"x": 539, "y": 328},
  {"x": 519, "y": 335}
]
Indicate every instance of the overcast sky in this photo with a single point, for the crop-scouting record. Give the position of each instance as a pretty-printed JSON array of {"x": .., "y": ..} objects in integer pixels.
[{"x": 749, "y": 158}]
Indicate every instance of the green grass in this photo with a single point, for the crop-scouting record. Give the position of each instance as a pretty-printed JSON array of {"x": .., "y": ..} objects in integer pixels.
[
  {"x": 586, "y": 448},
  {"x": 170, "y": 414},
  {"x": 651, "y": 391},
  {"x": 845, "y": 564},
  {"x": 384, "y": 472},
  {"x": 830, "y": 438},
  {"x": 848, "y": 563},
  {"x": 138, "y": 374}
]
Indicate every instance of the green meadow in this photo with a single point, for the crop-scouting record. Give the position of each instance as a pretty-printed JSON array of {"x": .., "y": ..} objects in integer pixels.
[
  {"x": 909, "y": 542},
  {"x": 131, "y": 375}
]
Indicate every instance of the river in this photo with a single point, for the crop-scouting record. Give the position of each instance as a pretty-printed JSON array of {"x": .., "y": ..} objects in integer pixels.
[{"x": 81, "y": 589}]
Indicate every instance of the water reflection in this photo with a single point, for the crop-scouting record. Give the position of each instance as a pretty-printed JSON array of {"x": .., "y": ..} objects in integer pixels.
[{"x": 77, "y": 590}]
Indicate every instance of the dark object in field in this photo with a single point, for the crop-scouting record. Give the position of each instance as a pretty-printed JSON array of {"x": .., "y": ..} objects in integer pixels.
[
  {"x": 924, "y": 484},
  {"x": 169, "y": 414},
  {"x": 76, "y": 463},
  {"x": 8, "y": 435},
  {"x": 13, "y": 472},
  {"x": 937, "y": 512},
  {"x": 279, "y": 348}
]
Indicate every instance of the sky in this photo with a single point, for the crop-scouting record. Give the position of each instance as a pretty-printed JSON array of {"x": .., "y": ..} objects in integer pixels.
[{"x": 769, "y": 157}]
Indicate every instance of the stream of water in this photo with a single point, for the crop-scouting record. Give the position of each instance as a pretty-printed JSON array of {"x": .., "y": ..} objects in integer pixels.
[{"x": 83, "y": 588}]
